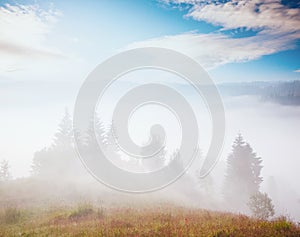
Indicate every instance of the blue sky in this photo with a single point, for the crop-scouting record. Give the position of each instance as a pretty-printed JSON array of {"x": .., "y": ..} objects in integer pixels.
[
  {"x": 47, "y": 48},
  {"x": 87, "y": 32}
]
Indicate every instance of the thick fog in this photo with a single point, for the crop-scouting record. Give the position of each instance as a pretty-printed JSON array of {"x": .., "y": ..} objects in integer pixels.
[
  {"x": 273, "y": 132},
  {"x": 31, "y": 114}
]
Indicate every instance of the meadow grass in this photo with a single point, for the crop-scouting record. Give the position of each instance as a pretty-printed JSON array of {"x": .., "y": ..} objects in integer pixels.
[{"x": 88, "y": 220}]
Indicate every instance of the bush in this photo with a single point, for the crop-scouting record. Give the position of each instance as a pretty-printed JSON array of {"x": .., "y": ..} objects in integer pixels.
[
  {"x": 261, "y": 206},
  {"x": 282, "y": 225},
  {"x": 84, "y": 210}
]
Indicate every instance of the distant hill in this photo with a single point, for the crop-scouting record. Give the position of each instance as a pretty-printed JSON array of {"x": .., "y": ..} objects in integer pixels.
[{"x": 285, "y": 93}]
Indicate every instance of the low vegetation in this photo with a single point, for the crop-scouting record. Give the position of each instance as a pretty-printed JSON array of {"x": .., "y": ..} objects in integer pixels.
[{"x": 87, "y": 220}]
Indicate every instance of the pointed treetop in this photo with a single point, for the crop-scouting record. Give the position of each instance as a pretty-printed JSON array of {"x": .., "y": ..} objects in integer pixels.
[
  {"x": 4, "y": 171},
  {"x": 64, "y": 135},
  {"x": 239, "y": 140}
]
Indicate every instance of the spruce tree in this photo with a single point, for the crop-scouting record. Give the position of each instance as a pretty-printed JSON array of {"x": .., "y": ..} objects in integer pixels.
[
  {"x": 4, "y": 171},
  {"x": 94, "y": 140},
  {"x": 95, "y": 130},
  {"x": 243, "y": 174},
  {"x": 63, "y": 139},
  {"x": 110, "y": 140},
  {"x": 60, "y": 159}
]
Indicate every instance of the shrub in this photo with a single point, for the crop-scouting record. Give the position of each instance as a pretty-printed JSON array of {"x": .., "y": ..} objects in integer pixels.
[
  {"x": 84, "y": 210},
  {"x": 282, "y": 224},
  {"x": 261, "y": 206}
]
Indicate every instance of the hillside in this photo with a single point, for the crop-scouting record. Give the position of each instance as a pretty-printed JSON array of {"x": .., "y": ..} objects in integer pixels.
[{"x": 88, "y": 220}]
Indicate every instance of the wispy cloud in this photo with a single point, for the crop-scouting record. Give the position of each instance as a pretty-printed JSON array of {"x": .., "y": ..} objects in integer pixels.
[
  {"x": 24, "y": 30},
  {"x": 270, "y": 16},
  {"x": 297, "y": 71},
  {"x": 213, "y": 50},
  {"x": 277, "y": 29}
]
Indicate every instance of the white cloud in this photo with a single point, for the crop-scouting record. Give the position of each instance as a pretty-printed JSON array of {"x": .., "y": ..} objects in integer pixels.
[
  {"x": 24, "y": 31},
  {"x": 270, "y": 16},
  {"x": 297, "y": 70},
  {"x": 213, "y": 50},
  {"x": 278, "y": 28}
]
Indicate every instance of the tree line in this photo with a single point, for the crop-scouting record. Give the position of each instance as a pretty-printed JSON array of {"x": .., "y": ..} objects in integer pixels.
[{"x": 241, "y": 187}]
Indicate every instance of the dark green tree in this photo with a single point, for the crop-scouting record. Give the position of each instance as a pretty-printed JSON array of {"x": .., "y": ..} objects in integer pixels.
[
  {"x": 60, "y": 159},
  {"x": 63, "y": 139},
  {"x": 96, "y": 130},
  {"x": 111, "y": 141},
  {"x": 243, "y": 174}
]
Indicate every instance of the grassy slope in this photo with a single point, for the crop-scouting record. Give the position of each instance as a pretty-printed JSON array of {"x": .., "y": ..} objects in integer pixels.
[{"x": 86, "y": 220}]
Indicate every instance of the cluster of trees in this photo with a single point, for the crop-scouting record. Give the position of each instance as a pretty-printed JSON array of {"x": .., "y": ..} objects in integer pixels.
[
  {"x": 241, "y": 188},
  {"x": 60, "y": 158}
]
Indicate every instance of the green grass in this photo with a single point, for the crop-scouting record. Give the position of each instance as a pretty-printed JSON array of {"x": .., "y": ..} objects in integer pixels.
[
  {"x": 87, "y": 220},
  {"x": 86, "y": 210}
]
